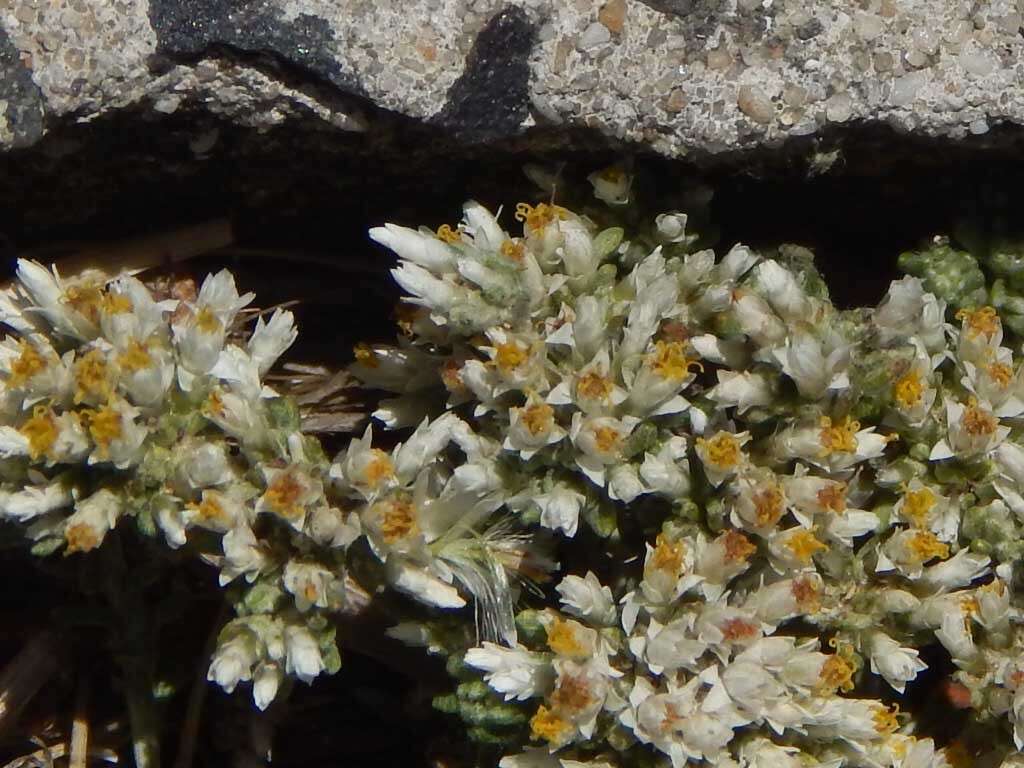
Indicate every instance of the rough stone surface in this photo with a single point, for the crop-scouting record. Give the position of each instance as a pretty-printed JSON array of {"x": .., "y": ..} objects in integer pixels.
[{"x": 671, "y": 75}]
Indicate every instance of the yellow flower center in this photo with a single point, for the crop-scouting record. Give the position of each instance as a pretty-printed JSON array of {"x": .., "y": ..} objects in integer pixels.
[
  {"x": 738, "y": 629},
  {"x": 379, "y": 468},
  {"x": 547, "y": 725},
  {"x": 836, "y": 673},
  {"x": 607, "y": 439},
  {"x": 982, "y": 321},
  {"x": 669, "y": 360},
  {"x": 135, "y": 358},
  {"x": 509, "y": 356},
  {"x": 91, "y": 377},
  {"x": 1000, "y": 373},
  {"x": 398, "y": 520},
  {"x": 538, "y": 418},
  {"x": 116, "y": 303},
  {"x": 838, "y": 438},
  {"x": 977, "y": 421},
  {"x": 612, "y": 174},
  {"x": 451, "y": 376},
  {"x": 27, "y": 365},
  {"x": 886, "y": 720},
  {"x": 593, "y": 386},
  {"x": 365, "y": 355},
  {"x": 738, "y": 548},
  {"x": 40, "y": 430},
  {"x": 805, "y": 592},
  {"x": 768, "y": 505},
  {"x": 512, "y": 249},
  {"x": 284, "y": 494},
  {"x": 563, "y": 638},
  {"x": 448, "y": 235},
  {"x": 924, "y": 546},
  {"x": 80, "y": 538},
  {"x": 722, "y": 450},
  {"x": 573, "y": 694},
  {"x": 803, "y": 544},
  {"x": 833, "y": 497},
  {"x": 908, "y": 389},
  {"x": 667, "y": 555},
  {"x": 210, "y": 508},
  {"x": 214, "y": 404},
  {"x": 207, "y": 320},
  {"x": 539, "y": 216},
  {"x": 406, "y": 315},
  {"x": 86, "y": 300},
  {"x": 105, "y": 427},
  {"x": 917, "y": 504}
]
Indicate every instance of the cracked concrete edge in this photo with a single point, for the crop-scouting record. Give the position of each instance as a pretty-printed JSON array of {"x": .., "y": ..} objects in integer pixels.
[{"x": 676, "y": 76}]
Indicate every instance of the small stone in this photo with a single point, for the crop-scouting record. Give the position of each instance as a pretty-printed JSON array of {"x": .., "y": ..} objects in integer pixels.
[
  {"x": 916, "y": 58},
  {"x": 904, "y": 89},
  {"x": 546, "y": 32},
  {"x": 925, "y": 40},
  {"x": 861, "y": 61},
  {"x": 959, "y": 31},
  {"x": 887, "y": 9},
  {"x": 790, "y": 117},
  {"x": 977, "y": 61},
  {"x": 1010, "y": 23},
  {"x": 585, "y": 81},
  {"x": 868, "y": 26},
  {"x": 839, "y": 107},
  {"x": 979, "y": 126},
  {"x": 594, "y": 35},
  {"x": 676, "y": 101},
  {"x": 719, "y": 58},
  {"x": 883, "y": 61},
  {"x": 810, "y": 29},
  {"x": 74, "y": 58},
  {"x": 656, "y": 37},
  {"x": 753, "y": 102},
  {"x": 561, "y": 57},
  {"x": 24, "y": 14},
  {"x": 50, "y": 41},
  {"x": 794, "y": 95},
  {"x": 613, "y": 15}
]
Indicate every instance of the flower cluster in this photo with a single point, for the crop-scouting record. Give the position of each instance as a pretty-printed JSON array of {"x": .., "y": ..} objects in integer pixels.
[
  {"x": 119, "y": 401},
  {"x": 797, "y": 499}
]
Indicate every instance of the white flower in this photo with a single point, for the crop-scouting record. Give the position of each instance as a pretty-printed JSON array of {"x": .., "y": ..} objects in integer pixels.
[
  {"x": 756, "y": 319},
  {"x": 200, "y": 333},
  {"x": 908, "y": 550},
  {"x": 422, "y": 586},
  {"x": 423, "y": 249},
  {"x": 896, "y": 664},
  {"x": 233, "y": 660},
  {"x": 611, "y": 185},
  {"x": 722, "y": 455},
  {"x": 1009, "y": 459},
  {"x": 271, "y": 339},
  {"x": 624, "y": 483},
  {"x": 92, "y": 519},
  {"x": 908, "y": 311},
  {"x": 672, "y": 646},
  {"x": 532, "y": 427},
  {"x": 736, "y": 263},
  {"x": 560, "y": 508},
  {"x": 671, "y": 227},
  {"x": 588, "y": 599},
  {"x": 956, "y": 636},
  {"x": 667, "y": 472},
  {"x": 265, "y": 682},
  {"x": 973, "y": 431},
  {"x": 958, "y": 571},
  {"x": 243, "y": 555},
  {"x": 600, "y": 440},
  {"x": 312, "y": 584},
  {"x": 815, "y": 372},
  {"x": 35, "y": 500},
  {"x": 980, "y": 334},
  {"x": 302, "y": 654},
  {"x": 436, "y": 294},
  {"x": 742, "y": 389},
  {"x": 515, "y": 672},
  {"x": 783, "y": 292}
]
